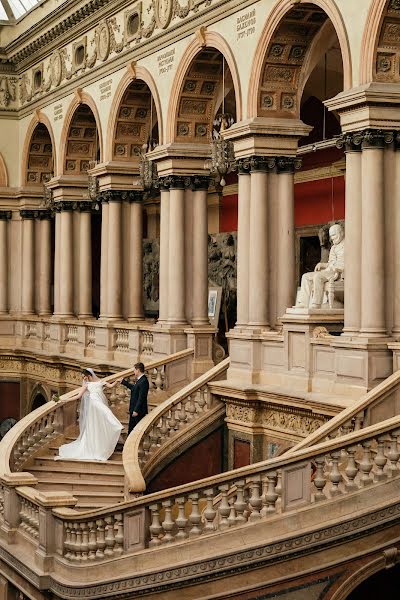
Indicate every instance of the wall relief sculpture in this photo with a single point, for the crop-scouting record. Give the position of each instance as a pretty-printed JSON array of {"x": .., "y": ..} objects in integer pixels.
[
  {"x": 222, "y": 250},
  {"x": 151, "y": 276}
]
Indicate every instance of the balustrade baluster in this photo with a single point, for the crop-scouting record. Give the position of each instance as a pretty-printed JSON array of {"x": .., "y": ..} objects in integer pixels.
[
  {"x": 74, "y": 547},
  {"x": 164, "y": 430},
  {"x": 232, "y": 512},
  {"x": 118, "y": 534},
  {"x": 366, "y": 464},
  {"x": 101, "y": 542},
  {"x": 240, "y": 504},
  {"x": 335, "y": 476},
  {"x": 269, "y": 496},
  {"x": 167, "y": 524},
  {"x": 224, "y": 508},
  {"x": 78, "y": 543},
  {"x": 85, "y": 541},
  {"x": 393, "y": 454},
  {"x": 172, "y": 423},
  {"x": 255, "y": 500},
  {"x": 209, "y": 513},
  {"x": 380, "y": 460},
  {"x": 319, "y": 479},
  {"x": 158, "y": 381},
  {"x": 201, "y": 401},
  {"x": 182, "y": 416},
  {"x": 155, "y": 527},
  {"x": 190, "y": 408},
  {"x": 92, "y": 544},
  {"x": 146, "y": 444},
  {"x": 195, "y": 516},
  {"x": 181, "y": 520},
  {"x": 351, "y": 470},
  {"x": 359, "y": 421},
  {"x": 67, "y": 541},
  {"x": 109, "y": 537}
]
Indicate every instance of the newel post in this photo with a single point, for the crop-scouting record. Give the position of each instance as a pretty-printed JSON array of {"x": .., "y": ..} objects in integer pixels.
[
  {"x": 12, "y": 503},
  {"x": 48, "y": 530}
]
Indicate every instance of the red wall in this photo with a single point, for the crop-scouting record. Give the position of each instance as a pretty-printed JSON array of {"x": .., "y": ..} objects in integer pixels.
[
  {"x": 201, "y": 460},
  {"x": 228, "y": 216},
  {"x": 319, "y": 201},
  {"x": 9, "y": 400},
  {"x": 241, "y": 454}
]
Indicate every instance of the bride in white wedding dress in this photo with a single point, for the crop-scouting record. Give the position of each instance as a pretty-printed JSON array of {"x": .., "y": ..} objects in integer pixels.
[{"x": 99, "y": 428}]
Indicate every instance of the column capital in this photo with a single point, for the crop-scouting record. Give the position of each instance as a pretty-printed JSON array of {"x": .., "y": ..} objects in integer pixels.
[
  {"x": 200, "y": 183},
  {"x": 175, "y": 182},
  {"x": 85, "y": 206},
  {"x": 45, "y": 214},
  {"x": 63, "y": 206},
  {"x": 367, "y": 138},
  {"x": 265, "y": 164},
  {"x": 5, "y": 215},
  {"x": 29, "y": 214},
  {"x": 288, "y": 164},
  {"x": 243, "y": 166},
  {"x": 121, "y": 196}
]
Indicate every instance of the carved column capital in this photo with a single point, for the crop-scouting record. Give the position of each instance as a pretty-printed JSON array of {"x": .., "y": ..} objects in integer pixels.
[
  {"x": 29, "y": 214},
  {"x": 287, "y": 164},
  {"x": 243, "y": 166},
  {"x": 45, "y": 214},
  {"x": 265, "y": 164},
  {"x": 200, "y": 182},
  {"x": 368, "y": 138},
  {"x": 175, "y": 182},
  {"x": 133, "y": 195},
  {"x": 85, "y": 206},
  {"x": 5, "y": 215},
  {"x": 64, "y": 206}
]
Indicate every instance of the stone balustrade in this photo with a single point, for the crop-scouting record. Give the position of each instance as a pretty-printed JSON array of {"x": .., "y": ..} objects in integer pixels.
[
  {"x": 378, "y": 404},
  {"x": 29, "y": 518},
  {"x": 166, "y": 426},
  {"x": 280, "y": 486}
]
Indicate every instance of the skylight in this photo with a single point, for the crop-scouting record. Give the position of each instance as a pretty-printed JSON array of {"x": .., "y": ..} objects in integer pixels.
[{"x": 15, "y": 9}]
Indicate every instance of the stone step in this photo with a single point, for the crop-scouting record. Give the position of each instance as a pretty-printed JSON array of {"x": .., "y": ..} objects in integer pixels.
[
  {"x": 113, "y": 488},
  {"x": 53, "y": 451},
  {"x": 103, "y": 478},
  {"x": 78, "y": 466}
]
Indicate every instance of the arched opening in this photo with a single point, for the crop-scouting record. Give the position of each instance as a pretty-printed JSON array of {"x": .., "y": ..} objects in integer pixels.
[
  {"x": 82, "y": 152},
  {"x": 386, "y": 64},
  {"x": 39, "y": 400},
  {"x": 206, "y": 105},
  {"x": 40, "y": 164},
  {"x": 380, "y": 585},
  {"x": 303, "y": 67}
]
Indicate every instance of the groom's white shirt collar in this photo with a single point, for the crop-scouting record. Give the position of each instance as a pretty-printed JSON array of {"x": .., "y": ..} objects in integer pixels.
[{"x": 141, "y": 375}]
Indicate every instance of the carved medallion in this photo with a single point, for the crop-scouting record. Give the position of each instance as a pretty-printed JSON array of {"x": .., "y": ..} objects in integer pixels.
[
  {"x": 56, "y": 68},
  {"x": 103, "y": 41},
  {"x": 163, "y": 12}
]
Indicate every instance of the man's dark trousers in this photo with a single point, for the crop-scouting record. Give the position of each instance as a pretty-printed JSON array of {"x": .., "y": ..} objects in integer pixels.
[{"x": 138, "y": 402}]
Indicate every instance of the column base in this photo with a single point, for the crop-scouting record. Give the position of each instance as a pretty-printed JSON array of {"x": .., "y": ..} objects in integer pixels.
[{"x": 85, "y": 316}]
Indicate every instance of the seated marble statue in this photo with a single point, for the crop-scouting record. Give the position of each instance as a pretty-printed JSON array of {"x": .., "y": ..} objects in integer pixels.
[{"x": 313, "y": 284}]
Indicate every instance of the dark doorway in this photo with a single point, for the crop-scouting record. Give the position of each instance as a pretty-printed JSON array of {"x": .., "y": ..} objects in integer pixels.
[
  {"x": 384, "y": 584},
  {"x": 39, "y": 400},
  {"x": 310, "y": 254}
]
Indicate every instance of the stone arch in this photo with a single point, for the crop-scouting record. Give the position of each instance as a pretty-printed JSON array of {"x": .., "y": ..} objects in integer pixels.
[
  {"x": 39, "y": 391},
  {"x": 280, "y": 94},
  {"x": 134, "y": 74},
  {"x": 380, "y": 59},
  {"x": 3, "y": 172},
  {"x": 203, "y": 40},
  {"x": 355, "y": 579},
  {"x": 82, "y": 114},
  {"x": 39, "y": 151}
]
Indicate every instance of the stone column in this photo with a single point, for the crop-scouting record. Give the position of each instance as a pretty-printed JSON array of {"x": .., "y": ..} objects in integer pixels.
[
  {"x": 200, "y": 251},
  {"x": 164, "y": 254},
  {"x": 396, "y": 244},
  {"x": 243, "y": 243},
  {"x": 57, "y": 243},
  {"x": 44, "y": 283},
  {"x": 5, "y": 216},
  {"x": 114, "y": 263},
  {"x": 176, "y": 270},
  {"x": 104, "y": 256},
  {"x": 286, "y": 261},
  {"x": 85, "y": 260},
  {"x": 66, "y": 274},
  {"x": 136, "y": 258},
  {"x": 373, "y": 322},
  {"x": 353, "y": 251},
  {"x": 258, "y": 251},
  {"x": 28, "y": 261}
]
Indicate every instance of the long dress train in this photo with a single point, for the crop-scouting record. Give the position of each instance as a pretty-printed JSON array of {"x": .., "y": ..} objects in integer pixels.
[{"x": 99, "y": 428}]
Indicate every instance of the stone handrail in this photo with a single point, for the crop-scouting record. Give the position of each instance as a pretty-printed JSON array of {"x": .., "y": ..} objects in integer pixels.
[
  {"x": 168, "y": 425},
  {"x": 355, "y": 416},
  {"x": 39, "y": 428},
  {"x": 332, "y": 469}
]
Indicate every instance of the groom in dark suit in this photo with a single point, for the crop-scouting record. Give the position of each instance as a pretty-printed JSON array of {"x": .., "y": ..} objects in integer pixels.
[{"x": 139, "y": 390}]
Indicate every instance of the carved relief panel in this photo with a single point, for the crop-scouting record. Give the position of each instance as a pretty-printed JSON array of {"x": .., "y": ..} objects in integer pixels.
[
  {"x": 133, "y": 122},
  {"x": 387, "y": 62},
  {"x": 82, "y": 142},
  {"x": 40, "y": 159}
]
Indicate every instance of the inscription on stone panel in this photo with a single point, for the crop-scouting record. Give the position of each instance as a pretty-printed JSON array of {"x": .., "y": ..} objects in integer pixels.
[
  {"x": 105, "y": 89},
  {"x": 166, "y": 61},
  {"x": 246, "y": 24},
  {"x": 58, "y": 112}
]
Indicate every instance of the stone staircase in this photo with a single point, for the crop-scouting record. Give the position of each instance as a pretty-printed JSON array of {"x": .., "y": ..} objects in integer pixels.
[{"x": 92, "y": 483}]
